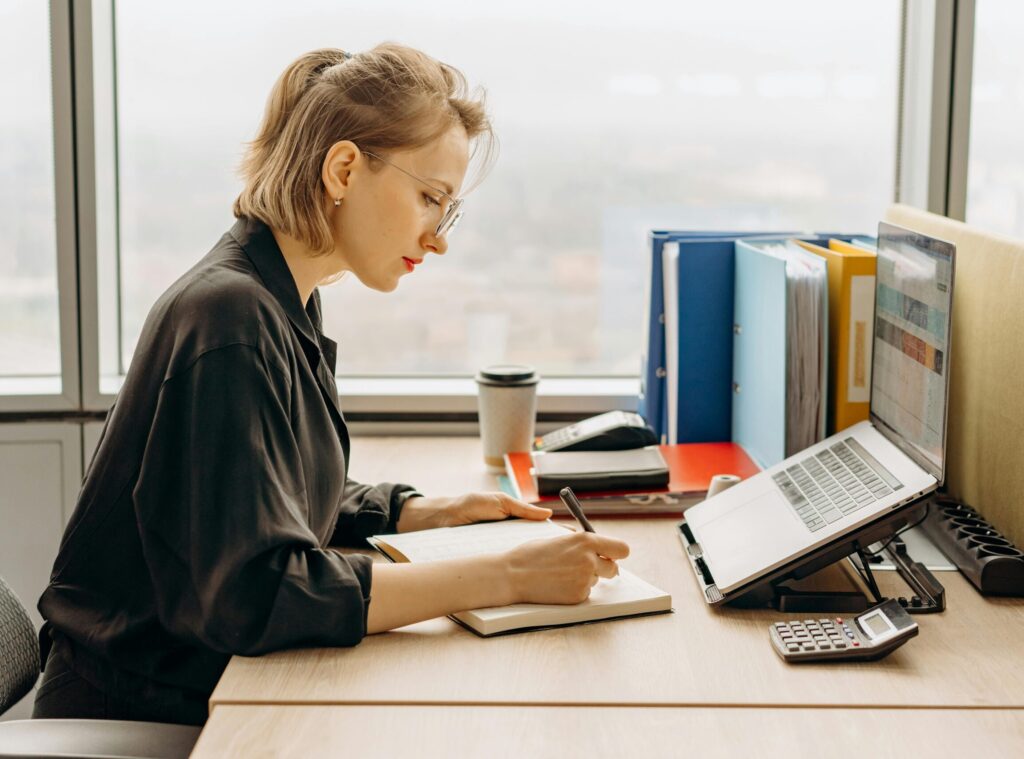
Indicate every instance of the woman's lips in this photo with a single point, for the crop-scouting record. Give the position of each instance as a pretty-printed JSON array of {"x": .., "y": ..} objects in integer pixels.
[{"x": 410, "y": 263}]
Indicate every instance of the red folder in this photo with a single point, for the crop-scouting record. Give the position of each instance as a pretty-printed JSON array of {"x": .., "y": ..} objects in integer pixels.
[{"x": 691, "y": 467}]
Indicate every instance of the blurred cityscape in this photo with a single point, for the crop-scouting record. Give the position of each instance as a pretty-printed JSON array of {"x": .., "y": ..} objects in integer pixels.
[{"x": 612, "y": 121}]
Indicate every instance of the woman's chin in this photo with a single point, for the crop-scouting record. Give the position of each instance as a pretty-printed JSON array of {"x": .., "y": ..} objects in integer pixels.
[{"x": 382, "y": 283}]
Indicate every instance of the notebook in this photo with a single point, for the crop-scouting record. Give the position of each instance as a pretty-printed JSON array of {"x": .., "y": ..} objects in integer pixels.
[
  {"x": 622, "y": 596},
  {"x": 587, "y": 471}
]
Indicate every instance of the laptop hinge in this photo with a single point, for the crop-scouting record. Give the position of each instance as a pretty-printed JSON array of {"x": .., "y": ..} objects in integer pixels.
[{"x": 700, "y": 567}]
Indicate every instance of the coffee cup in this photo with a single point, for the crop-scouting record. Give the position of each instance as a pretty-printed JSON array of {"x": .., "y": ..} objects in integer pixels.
[{"x": 507, "y": 402}]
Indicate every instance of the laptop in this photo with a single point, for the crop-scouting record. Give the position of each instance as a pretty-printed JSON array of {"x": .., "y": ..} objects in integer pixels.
[{"x": 857, "y": 479}]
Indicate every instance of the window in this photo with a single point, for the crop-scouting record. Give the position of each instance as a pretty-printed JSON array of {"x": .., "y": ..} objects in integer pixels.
[
  {"x": 995, "y": 178},
  {"x": 30, "y": 357},
  {"x": 613, "y": 119}
]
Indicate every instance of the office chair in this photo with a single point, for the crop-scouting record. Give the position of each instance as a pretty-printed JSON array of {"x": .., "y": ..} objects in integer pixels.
[{"x": 54, "y": 738}]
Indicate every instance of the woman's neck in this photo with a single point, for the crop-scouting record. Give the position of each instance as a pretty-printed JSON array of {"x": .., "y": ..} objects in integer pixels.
[{"x": 307, "y": 269}]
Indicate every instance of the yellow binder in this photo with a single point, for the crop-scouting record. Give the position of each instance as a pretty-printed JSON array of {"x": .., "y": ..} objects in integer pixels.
[{"x": 851, "y": 315}]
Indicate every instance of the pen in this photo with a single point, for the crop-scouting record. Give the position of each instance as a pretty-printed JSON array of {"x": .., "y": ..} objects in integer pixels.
[{"x": 572, "y": 503}]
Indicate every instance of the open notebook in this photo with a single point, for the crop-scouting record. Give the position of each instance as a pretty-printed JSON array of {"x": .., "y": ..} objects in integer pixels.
[{"x": 623, "y": 596}]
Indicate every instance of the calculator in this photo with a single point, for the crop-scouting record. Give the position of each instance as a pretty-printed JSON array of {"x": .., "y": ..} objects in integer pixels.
[
  {"x": 612, "y": 431},
  {"x": 866, "y": 637}
]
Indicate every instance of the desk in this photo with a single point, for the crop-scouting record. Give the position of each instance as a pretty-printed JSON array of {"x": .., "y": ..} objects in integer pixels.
[
  {"x": 624, "y": 732},
  {"x": 968, "y": 657}
]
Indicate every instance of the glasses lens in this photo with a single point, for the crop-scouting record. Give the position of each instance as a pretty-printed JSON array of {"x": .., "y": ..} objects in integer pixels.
[{"x": 451, "y": 219}]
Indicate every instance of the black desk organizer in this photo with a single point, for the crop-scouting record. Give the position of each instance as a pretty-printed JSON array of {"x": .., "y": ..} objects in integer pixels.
[{"x": 988, "y": 559}]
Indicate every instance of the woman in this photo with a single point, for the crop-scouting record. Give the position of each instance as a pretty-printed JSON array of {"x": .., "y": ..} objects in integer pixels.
[{"x": 204, "y": 524}]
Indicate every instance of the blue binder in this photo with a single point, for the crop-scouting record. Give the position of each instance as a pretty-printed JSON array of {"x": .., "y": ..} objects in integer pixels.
[
  {"x": 653, "y": 406},
  {"x": 714, "y": 261},
  {"x": 705, "y": 286},
  {"x": 760, "y": 349}
]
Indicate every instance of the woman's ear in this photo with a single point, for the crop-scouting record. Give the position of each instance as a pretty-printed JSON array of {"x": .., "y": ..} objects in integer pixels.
[{"x": 339, "y": 163}]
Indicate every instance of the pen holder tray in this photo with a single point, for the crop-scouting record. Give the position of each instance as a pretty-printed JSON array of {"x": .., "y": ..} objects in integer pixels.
[{"x": 986, "y": 557}]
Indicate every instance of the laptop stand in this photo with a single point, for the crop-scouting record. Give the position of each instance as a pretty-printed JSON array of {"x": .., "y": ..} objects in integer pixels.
[{"x": 927, "y": 594}]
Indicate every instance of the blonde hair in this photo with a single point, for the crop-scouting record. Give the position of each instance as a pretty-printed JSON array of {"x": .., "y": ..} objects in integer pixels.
[{"x": 389, "y": 98}]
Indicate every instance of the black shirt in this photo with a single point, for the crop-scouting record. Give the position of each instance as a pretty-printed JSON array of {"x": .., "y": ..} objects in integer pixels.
[{"x": 203, "y": 525}]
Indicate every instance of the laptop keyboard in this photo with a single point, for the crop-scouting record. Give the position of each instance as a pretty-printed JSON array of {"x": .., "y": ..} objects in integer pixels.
[{"x": 834, "y": 482}]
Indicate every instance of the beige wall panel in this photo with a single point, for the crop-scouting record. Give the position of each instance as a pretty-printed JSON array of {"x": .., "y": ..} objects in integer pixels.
[{"x": 985, "y": 439}]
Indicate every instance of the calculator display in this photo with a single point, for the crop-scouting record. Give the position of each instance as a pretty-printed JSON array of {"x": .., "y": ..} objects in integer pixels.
[{"x": 875, "y": 624}]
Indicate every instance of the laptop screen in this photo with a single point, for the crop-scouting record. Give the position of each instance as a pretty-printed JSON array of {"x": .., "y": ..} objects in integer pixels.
[{"x": 910, "y": 362}]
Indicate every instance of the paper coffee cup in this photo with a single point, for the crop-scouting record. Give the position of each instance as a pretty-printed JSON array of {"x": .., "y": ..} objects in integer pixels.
[{"x": 507, "y": 402}]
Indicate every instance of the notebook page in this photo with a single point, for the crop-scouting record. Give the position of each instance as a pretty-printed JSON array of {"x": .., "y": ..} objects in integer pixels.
[{"x": 469, "y": 540}]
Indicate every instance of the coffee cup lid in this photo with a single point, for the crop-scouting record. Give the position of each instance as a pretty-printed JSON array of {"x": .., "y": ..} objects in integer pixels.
[{"x": 507, "y": 374}]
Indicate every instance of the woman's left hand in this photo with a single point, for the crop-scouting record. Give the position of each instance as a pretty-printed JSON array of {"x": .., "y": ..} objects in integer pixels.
[{"x": 421, "y": 513}]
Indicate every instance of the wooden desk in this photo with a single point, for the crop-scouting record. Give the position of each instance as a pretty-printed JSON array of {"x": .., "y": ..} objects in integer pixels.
[
  {"x": 969, "y": 656},
  {"x": 539, "y": 731}
]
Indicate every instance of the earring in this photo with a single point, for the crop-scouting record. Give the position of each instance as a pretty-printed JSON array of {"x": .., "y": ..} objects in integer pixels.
[{"x": 337, "y": 202}]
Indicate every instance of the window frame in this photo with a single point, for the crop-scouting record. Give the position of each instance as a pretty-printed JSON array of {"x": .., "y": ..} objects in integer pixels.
[
  {"x": 69, "y": 397},
  {"x": 934, "y": 110}
]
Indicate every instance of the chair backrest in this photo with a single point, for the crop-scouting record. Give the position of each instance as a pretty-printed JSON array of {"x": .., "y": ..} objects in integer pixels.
[{"x": 19, "y": 649}]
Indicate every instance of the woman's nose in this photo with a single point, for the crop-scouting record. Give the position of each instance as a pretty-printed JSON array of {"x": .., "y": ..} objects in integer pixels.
[{"x": 435, "y": 244}]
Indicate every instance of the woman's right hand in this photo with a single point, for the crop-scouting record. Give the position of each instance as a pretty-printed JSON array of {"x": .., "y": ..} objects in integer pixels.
[{"x": 562, "y": 570}]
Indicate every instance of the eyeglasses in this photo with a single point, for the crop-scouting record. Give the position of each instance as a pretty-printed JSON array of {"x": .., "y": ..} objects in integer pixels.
[{"x": 452, "y": 214}]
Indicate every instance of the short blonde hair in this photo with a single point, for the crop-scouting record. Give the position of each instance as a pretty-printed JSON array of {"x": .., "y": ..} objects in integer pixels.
[{"x": 389, "y": 98}]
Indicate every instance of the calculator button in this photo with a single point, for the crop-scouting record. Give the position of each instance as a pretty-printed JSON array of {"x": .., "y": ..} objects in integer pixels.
[
  {"x": 825, "y": 646},
  {"x": 855, "y": 643},
  {"x": 840, "y": 644},
  {"x": 792, "y": 647},
  {"x": 808, "y": 647}
]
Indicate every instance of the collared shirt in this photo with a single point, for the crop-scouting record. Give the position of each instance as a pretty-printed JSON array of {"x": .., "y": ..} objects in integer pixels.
[{"x": 204, "y": 524}]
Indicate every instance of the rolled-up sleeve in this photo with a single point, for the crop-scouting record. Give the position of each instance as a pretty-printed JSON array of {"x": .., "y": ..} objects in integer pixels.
[
  {"x": 369, "y": 510},
  {"x": 223, "y": 516}
]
